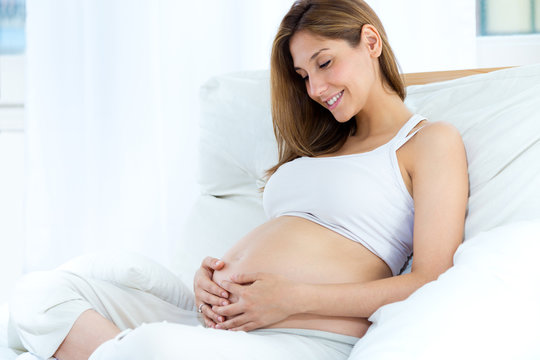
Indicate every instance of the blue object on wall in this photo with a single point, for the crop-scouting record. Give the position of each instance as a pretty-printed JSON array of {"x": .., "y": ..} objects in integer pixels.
[
  {"x": 482, "y": 7},
  {"x": 12, "y": 26}
]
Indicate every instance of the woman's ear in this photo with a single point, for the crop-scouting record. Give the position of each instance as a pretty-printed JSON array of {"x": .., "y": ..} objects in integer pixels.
[{"x": 372, "y": 40}]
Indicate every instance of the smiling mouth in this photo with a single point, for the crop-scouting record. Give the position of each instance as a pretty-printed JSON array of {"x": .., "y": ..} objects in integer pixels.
[{"x": 335, "y": 99}]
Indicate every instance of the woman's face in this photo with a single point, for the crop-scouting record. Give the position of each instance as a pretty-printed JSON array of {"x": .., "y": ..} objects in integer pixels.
[{"x": 337, "y": 76}]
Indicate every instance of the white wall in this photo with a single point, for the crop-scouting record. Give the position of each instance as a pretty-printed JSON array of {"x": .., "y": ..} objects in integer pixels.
[
  {"x": 430, "y": 35},
  {"x": 513, "y": 50},
  {"x": 12, "y": 92}
]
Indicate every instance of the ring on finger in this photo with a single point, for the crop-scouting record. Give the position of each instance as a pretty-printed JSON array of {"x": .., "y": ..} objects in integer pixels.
[{"x": 200, "y": 307}]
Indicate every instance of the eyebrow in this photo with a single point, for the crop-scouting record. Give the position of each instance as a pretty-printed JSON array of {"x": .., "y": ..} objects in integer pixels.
[{"x": 313, "y": 56}]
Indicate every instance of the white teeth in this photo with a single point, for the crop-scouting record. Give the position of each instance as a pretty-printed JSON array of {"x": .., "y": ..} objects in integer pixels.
[{"x": 334, "y": 99}]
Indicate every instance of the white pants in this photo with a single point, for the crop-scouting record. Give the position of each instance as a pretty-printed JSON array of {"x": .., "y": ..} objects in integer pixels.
[{"x": 46, "y": 305}]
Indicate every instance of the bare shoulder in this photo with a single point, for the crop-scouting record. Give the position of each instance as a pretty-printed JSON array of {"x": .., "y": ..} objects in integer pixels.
[
  {"x": 438, "y": 142},
  {"x": 438, "y": 134},
  {"x": 436, "y": 138}
]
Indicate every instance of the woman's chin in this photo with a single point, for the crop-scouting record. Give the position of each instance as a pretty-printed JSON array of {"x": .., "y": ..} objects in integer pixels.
[{"x": 341, "y": 118}]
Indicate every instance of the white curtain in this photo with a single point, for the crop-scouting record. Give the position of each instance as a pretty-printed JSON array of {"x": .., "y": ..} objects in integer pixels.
[{"x": 112, "y": 116}]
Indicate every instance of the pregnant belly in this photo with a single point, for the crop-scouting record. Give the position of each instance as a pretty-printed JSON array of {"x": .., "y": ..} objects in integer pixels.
[{"x": 307, "y": 252}]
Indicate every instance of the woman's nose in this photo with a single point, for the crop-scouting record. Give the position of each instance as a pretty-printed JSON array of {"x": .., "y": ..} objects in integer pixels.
[{"x": 317, "y": 86}]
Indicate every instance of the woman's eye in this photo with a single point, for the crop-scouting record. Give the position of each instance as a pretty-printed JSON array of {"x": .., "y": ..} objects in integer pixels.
[
  {"x": 305, "y": 78},
  {"x": 322, "y": 66}
]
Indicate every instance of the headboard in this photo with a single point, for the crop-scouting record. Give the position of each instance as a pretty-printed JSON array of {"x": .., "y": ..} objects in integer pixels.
[{"x": 435, "y": 76}]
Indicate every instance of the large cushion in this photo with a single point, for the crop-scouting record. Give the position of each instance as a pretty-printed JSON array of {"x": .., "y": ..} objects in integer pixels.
[
  {"x": 484, "y": 307},
  {"x": 237, "y": 143},
  {"x": 498, "y": 118}
]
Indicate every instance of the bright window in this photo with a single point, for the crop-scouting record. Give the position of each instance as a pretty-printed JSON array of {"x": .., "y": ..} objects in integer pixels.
[
  {"x": 508, "y": 17},
  {"x": 12, "y": 24},
  {"x": 12, "y": 64}
]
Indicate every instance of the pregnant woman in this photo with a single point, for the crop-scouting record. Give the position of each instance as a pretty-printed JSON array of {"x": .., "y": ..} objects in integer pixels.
[{"x": 360, "y": 185}]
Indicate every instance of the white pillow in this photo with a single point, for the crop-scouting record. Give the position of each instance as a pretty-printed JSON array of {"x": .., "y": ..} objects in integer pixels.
[
  {"x": 485, "y": 307},
  {"x": 498, "y": 117},
  {"x": 237, "y": 143}
]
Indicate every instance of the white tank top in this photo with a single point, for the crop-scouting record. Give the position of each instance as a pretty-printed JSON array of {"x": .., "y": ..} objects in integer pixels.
[{"x": 360, "y": 196}]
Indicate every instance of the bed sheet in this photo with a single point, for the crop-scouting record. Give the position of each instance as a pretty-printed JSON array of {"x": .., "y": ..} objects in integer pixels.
[{"x": 5, "y": 352}]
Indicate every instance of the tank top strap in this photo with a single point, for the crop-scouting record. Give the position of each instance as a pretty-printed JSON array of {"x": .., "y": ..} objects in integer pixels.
[{"x": 402, "y": 137}]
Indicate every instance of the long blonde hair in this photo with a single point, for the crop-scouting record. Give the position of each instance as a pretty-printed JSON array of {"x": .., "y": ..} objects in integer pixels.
[{"x": 301, "y": 126}]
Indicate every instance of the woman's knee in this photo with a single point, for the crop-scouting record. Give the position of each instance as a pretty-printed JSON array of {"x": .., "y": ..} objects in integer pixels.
[
  {"x": 38, "y": 292},
  {"x": 43, "y": 307}
]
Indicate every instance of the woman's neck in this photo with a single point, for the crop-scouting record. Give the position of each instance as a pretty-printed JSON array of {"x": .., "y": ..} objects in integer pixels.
[{"x": 383, "y": 112}]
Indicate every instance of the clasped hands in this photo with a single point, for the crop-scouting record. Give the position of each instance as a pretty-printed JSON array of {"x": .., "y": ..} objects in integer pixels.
[{"x": 246, "y": 302}]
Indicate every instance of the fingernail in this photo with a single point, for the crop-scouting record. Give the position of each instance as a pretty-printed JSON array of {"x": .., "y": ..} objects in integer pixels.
[
  {"x": 218, "y": 326},
  {"x": 224, "y": 294},
  {"x": 220, "y": 319},
  {"x": 224, "y": 303}
]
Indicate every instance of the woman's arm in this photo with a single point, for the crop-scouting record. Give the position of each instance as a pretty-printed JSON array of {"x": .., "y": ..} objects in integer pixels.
[{"x": 440, "y": 191}]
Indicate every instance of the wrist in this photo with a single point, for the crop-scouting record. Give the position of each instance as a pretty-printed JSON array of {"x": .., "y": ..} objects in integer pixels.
[{"x": 300, "y": 298}]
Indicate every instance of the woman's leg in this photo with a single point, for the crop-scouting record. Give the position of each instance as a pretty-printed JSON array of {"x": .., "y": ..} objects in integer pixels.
[
  {"x": 89, "y": 331},
  {"x": 167, "y": 341},
  {"x": 49, "y": 312}
]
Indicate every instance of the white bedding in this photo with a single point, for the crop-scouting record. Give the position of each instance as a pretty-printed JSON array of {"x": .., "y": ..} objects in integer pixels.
[
  {"x": 487, "y": 306},
  {"x": 5, "y": 352}
]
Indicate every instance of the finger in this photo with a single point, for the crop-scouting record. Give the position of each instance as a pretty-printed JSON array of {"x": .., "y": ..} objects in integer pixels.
[
  {"x": 231, "y": 287},
  {"x": 246, "y": 327},
  {"x": 207, "y": 285},
  {"x": 246, "y": 278},
  {"x": 229, "y": 310},
  {"x": 234, "y": 322},
  {"x": 213, "y": 263},
  {"x": 211, "y": 299},
  {"x": 209, "y": 323},
  {"x": 211, "y": 315}
]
